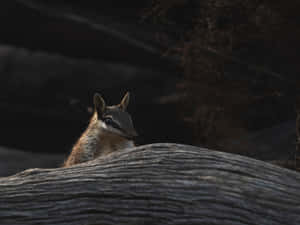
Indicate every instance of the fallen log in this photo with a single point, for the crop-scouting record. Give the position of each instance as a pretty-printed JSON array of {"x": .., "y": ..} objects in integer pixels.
[{"x": 155, "y": 184}]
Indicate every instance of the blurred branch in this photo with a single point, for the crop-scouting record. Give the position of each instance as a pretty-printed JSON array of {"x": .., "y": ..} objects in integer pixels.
[{"x": 62, "y": 12}]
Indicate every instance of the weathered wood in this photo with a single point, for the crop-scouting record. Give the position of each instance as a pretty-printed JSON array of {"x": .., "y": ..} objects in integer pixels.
[{"x": 155, "y": 184}]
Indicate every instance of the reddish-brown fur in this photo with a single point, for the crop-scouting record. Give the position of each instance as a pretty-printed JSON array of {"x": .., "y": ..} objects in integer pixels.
[{"x": 103, "y": 144}]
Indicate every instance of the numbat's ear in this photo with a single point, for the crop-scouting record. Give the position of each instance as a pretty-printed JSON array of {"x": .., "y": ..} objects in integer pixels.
[
  {"x": 125, "y": 101},
  {"x": 99, "y": 104}
]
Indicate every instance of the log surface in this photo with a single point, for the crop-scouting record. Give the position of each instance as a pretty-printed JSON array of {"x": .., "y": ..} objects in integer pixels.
[{"x": 155, "y": 184}]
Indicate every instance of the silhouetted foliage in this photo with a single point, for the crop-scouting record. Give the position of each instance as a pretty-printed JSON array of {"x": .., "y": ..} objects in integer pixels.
[{"x": 238, "y": 61}]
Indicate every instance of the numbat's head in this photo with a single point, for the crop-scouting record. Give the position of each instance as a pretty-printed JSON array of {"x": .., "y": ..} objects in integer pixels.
[{"x": 115, "y": 119}]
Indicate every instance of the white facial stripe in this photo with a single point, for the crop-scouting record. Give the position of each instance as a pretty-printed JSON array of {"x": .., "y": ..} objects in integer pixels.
[
  {"x": 110, "y": 128},
  {"x": 103, "y": 125}
]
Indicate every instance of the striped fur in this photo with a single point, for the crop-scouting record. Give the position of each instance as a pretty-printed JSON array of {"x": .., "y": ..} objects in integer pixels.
[{"x": 94, "y": 142}]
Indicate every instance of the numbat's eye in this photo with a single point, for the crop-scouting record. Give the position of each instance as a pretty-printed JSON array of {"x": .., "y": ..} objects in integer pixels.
[{"x": 108, "y": 121}]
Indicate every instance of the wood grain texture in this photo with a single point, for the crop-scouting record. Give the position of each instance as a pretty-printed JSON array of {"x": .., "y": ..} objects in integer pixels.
[{"x": 155, "y": 184}]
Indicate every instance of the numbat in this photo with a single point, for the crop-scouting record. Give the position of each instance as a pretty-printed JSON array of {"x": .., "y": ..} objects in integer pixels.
[{"x": 110, "y": 129}]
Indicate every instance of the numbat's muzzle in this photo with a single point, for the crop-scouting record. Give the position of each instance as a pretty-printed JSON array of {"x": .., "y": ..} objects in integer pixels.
[{"x": 132, "y": 135}]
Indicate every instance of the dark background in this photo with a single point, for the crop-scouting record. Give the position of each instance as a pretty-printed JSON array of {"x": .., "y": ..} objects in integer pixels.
[{"x": 206, "y": 73}]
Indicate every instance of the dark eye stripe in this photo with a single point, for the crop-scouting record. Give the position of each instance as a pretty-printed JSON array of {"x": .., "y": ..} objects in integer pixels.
[
  {"x": 110, "y": 122},
  {"x": 116, "y": 126}
]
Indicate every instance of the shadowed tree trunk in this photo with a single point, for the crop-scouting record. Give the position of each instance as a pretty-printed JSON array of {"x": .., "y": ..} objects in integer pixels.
[{"x": 155, "y": 184}]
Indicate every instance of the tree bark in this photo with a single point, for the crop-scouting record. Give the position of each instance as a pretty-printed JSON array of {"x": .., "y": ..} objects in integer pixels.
[{"x": 155, "y": 184}]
